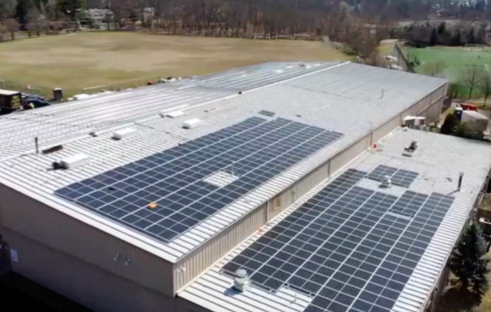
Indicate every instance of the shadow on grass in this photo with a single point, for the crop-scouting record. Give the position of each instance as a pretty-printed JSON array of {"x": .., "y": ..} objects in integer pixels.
[{"x": 458, "y": 300}]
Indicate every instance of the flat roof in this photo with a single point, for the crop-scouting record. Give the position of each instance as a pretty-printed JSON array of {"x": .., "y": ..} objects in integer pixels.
[
  {"x": 328, "y": 96},
  {"x": 8, "y": 92},
  {"x": 381, "y": 249}
]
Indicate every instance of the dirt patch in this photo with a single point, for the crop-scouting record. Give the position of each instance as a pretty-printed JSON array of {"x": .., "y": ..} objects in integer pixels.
[{"x": 89, "y": 59}]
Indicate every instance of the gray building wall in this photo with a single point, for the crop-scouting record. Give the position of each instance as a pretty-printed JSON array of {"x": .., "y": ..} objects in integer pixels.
[
  {"x": 82, "y": 282},
  {"x": 49, "y": 227}
]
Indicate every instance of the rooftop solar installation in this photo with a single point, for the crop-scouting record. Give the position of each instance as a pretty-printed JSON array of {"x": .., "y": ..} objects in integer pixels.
[
  {"x": 351, "y": 249},
  {"x": 167, "y": 193},
  {"x": 398, "y": 177}
]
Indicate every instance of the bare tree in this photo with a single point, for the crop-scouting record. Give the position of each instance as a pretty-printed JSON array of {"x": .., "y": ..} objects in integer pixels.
[
  {"x": 471, "y": 77},
  {"x": 485, "y": 85}
]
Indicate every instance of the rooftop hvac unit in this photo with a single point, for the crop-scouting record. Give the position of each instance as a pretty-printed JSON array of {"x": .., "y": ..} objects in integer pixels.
[
  {"x": 123, "y": 133},
  {"x": 191, "y": 123},
  {"x": 409, "y": 121},
  {"x": 75, "y": 161},
  {"x": 173, "y": 114}
]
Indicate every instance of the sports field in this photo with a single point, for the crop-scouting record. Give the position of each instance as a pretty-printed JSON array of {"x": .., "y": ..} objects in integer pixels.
[
  {"x": 82, "y": 60},
  {"x": 453, "y": 60}
]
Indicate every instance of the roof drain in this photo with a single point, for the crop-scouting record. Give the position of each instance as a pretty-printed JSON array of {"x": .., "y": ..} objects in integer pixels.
[{"x": 241, "y": 281}]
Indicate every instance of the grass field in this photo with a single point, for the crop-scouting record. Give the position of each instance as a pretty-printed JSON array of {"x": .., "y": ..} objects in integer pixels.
[
  {"x": 453, "y": 60},
  {"x": 90, "y": 59}
]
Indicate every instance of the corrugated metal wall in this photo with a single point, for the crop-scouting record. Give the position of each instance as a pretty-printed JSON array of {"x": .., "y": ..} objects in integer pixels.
[
  {"x": 22, "y": 214},
  {"x": 312, "y": 180},
  {"x": 207, "y": 254},
  {"x": 341, "y": 159},
  {"x": 386, "y": 129},
  {"x": 84, "y": 283}
]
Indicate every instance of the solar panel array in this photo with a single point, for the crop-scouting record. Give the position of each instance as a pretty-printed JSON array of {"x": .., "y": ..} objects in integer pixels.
[
  {"x": 348, "y": 247},
  {"x": 398, "y": 177},
  {"x": 253, "y": 151}
]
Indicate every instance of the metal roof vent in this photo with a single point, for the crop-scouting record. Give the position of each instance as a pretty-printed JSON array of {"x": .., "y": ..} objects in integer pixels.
[
  {"x": 409, "y": 151},
  {"x": 173, "y": 114},
  {"x": 386, "y": 182},
  {"x": 241, "y": 281},
  {"x": 75, "y": 161},
  {"x": 191, "y": 123},
  {"x": 123, "y": 133}
]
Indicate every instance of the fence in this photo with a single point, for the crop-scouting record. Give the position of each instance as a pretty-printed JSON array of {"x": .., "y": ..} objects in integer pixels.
[{"x": 402, "y": 56}]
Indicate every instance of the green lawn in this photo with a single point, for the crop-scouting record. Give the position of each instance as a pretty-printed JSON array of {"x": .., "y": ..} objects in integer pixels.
[{"x": 453, "y": 60}]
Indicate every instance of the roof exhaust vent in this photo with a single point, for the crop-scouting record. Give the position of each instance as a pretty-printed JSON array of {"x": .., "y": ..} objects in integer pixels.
[
  {"x": 173, "y": 114},
  {"x": 409, "y": 151},
  {"x": 459, "y": 185},
  {"x": 123, "y": 133},
  {"x": 386, "y": 182},
  {"x": 75, "y": 161},
  {"x": 241, "y": 281},
  {"x": 191, "y": 123}
]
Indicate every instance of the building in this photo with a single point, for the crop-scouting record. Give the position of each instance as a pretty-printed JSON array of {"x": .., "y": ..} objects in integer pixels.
[
  {"x": 100, "y": 16},
  {"x": 149, "y": 199}
]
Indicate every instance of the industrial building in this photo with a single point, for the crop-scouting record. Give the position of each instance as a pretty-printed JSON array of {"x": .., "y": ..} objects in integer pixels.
[{"x": 295, "y": 182}]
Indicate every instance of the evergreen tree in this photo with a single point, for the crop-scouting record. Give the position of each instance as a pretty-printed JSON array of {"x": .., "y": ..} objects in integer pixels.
[
  {"x": 456, "y": 39},
  {"x": 471, "y": 38},
  {"x": 71, "y": 7},
  {"x": 441, "y": 28},
  {"x": 433, "y": 37},
  {"x": 450, "y": 125},
  {"x": 467, "y": 261}
]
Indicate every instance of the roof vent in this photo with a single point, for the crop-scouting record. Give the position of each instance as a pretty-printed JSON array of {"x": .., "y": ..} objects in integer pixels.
[
  {"x": 191, "y": 123},
  {"x": 52, "y": 149},
  {"x": 409, "y": 151},
  {"x": 386, "y": 182},
  {"x": 173, "y": 114},
  {"x": 75, "y": 161},
  {"x": 123, "y": 133},
  {"x": 241, "y": 281}
]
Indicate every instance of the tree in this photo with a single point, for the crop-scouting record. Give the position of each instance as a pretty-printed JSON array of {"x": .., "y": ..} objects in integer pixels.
[
  {"x": 471, "y": 76},
  {"x": 456, "y": 40},
  {"x": 7, "y": 8},
  {"x": 485, "y": 85},
  {"x": 467, "y": 261},
  {"x": 450, "y": 125},
  {"x": 471, "y": 38},
  {"x": 441, "y": 28},
  {"x": 433, "y": 38},
  {"x": 71, "y": 7}
]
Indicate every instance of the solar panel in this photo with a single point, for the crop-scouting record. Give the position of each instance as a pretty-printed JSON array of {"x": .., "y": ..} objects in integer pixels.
[
  {"x": 398, "y": 177},
  {"x": 248, "y": 153},
  {"x": 267, "y": 113},
  {"x": 352, "y": 249}
]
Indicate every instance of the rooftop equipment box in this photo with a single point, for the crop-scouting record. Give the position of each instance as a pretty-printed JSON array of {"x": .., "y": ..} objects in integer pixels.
[{"x": 10, "y": 99}]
